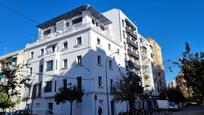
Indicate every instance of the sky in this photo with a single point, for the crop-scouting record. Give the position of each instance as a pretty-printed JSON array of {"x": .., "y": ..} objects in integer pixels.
[{"x": 170, "y": 22}]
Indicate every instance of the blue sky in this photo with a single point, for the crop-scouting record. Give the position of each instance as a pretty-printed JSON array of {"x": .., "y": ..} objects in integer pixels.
[{"x": 170, "y": 22}]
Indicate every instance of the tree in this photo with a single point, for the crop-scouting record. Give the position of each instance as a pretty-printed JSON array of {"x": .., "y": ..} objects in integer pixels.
[
  {"x": 8, "y": 103},
  {"x": 11, "y": 81},
  {"x": 174, "y": 94},
  {"x": 127, "y": 89},
  {"x": 163, "y": 94},
  {"x": 70, "y": 94},
  {"x": 192, "y": 71}
]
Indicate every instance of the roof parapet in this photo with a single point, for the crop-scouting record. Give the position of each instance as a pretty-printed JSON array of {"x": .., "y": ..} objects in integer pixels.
[{"x": 96, "y": 14}]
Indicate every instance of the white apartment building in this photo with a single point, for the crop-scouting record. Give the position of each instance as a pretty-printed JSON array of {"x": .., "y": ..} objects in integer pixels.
[
  {"x": 82, "y": 47},
  {"x": 73, "y": 48}
]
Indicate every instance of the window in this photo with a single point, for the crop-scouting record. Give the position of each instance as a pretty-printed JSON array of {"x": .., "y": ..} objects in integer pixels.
[
  {"x": 99, "y": 81},
  {"x": 93, "y": 21},
  {"x": 78, "y": 20},
  {"x": 109, "y": 46},
  {"x": 123, "y": 23},
  {"x": 125, "y": 45},
  {"x": 32, "y": 55},
  {"x": 67, "y": 24},
  {"x": 39, "y": 89},
  {"x": 79, "y": 82},
  {"x": 64, "y": 81},
  {"x": 34, "y": 91},
  {"x": 79, "y": 60},
  {"x": 99, "y": 60},
  {"x": 97, "y": 24},
  {"x": 46, "y": 32},
  {"x": 31, "y": 70},
  {"x": 55, "y": 85},
  {"x": 41, "y": 52},
  {"x": 54, "y": 28},
  {"x": 152, "y": 55},
  {"x": 79, "y": 41},
  {"x": 110, "y": 64},
  {"x": 65, "y": 45},
  {"x": 118, "y": 50},
  {"x": 125, "y": 56},
  {"x": 123, "y": 34},
  {"x": 41, "y": 68},
  {"x": 98, "y": 41},
  {"x": 53, "y": 48},
  {"x": 50, "y": 65},
  {"x": 111, "y": 83},
  {"x": 151, "y": 46},
  {"x": 48, "y": 86},
  {"x": 65, "y": 65}
]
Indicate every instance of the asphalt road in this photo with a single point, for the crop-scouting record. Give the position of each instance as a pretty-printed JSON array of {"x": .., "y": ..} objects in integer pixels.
[{"x": 191, "y": 110}]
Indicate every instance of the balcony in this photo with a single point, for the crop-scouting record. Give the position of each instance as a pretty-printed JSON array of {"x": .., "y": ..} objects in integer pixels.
[
  {"x": 135, "y": 45},
  {"x": 128, "y": 23},
  {"x": 130, "y": 32},
  {"x": 147, "y": 83},
  {"x": 133, "y": 53},
  {"x": 143, "y": 55},
  {"x": 132, "y": 64}
]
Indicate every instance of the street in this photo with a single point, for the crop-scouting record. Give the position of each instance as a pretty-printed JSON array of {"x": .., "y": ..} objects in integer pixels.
[{"x": 191, "y": 110}]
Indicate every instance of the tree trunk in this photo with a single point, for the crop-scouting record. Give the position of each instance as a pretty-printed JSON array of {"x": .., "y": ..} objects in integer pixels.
[
  {"x": 71, "y": 108},
  {"x": 4, "y": 112},
  {"x": 131, "y": 108}
]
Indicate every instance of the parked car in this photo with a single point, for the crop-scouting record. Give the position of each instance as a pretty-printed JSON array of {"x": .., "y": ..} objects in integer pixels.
[{"x": 173, "y": 106}]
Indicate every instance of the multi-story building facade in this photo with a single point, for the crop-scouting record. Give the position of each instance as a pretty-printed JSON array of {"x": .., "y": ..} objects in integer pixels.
[
  {"x": 158, "y": 63},
  {"x": 86, "y": 48},
  {"x": 126, "y": 34},
  {"x": 147, "y": 68},
  {"x": 74, "y": 48},
  {"x": 15, "y": 59},
  {"x": 152, "y": 66}
]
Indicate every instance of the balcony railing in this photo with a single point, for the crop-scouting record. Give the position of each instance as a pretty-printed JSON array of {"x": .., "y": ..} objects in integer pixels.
[
  {"x": 132, "y": 64},
  {"x": 128, "y": 23},
  {"x": 130, "y": 32},
  {"x": 133, "y": 53},
  {"x": 135, "y": 45}
]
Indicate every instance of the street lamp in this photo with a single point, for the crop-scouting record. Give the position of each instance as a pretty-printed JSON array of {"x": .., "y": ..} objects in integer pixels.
[
  {"x": 95, "y": 98},
  {"x": 106, "y": 75}
]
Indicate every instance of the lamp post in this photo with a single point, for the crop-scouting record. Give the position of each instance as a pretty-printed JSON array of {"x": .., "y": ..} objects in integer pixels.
[
  {"x": 95, "y": 99},
  {"x": 106, "y": 75}
]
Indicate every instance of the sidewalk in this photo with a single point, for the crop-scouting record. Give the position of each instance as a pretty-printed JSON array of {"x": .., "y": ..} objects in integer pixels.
[{"x": 190, "y": 110}]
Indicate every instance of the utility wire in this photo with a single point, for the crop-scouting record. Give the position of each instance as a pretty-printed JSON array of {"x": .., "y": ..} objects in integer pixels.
[{"x": 18, "y": 13}]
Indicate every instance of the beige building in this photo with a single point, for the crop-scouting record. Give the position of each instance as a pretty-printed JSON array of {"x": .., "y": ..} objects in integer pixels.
[
  {"x": 157, "y": 63},
  {"x": 156, "y": 53},
  {"x": 16, "y": 59}
]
